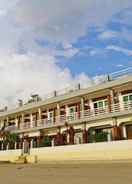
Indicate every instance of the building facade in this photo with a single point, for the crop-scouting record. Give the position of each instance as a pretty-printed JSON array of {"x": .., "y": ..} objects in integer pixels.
[{"x": 99, "y": 113}]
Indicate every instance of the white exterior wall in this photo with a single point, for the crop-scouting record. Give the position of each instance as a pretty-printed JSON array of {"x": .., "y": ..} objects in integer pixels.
[{"x": 114, "y": 150}]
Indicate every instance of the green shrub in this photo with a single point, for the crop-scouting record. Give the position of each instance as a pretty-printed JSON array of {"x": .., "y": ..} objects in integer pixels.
[
  {"x": 101, "y": 136},
  {"x": 46, "y": 142}
]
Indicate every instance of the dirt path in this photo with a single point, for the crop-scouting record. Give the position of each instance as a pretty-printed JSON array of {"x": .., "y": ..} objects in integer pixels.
[{"x": 97, "y": 173}]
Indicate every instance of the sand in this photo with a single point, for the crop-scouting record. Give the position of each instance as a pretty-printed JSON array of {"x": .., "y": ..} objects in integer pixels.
[{"x": 67, "y": 173}]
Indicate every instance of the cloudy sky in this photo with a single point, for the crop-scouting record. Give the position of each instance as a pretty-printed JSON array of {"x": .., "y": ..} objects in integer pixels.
[{"x": 47, "y": 45}]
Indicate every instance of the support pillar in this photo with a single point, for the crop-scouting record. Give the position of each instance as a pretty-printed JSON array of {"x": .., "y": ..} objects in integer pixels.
[
  {"x": 71, "y": 135},
  {"x": 22, "y": 121},
  {"x": 39, "y": 116},
  {"x": 82, "y": 107},
  {"x": 92, "y": 110},
  {"x": 109, "y": 103},
  {"x": 2, "y": 146},
  {"x": 58, "y": 113},
  {"x": 31, "y": 120},
  {"x": 85, "y": 136},
  {"x": 7, "y": 121},
  {"x": 115, "y": 133},
  {"x": 78, "y": 111},
  {"x": 112, "y": 96},
  {"x": 7, "y": 147},
  {"x": 15, "y": 145},
  {"x": 53, "y": 142},
  {"x": 124, "y": 132},
  {"x": 31, "y": 143},
  {"x": 16, "y": 122},
  {"x": 66, "y": 112}
]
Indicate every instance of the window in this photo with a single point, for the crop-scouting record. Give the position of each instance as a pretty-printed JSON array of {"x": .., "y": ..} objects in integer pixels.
[
  {"x": 72, "y": 109},
  {"x": 71, "y": 112},
  {"x": 127, "y": 98},
  {"x": 130, "y": 97},
  {"x": 101, "y": 104},
  {"x": 50, "y": 116}
]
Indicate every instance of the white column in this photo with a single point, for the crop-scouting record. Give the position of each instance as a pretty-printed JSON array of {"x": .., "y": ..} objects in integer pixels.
[
  {"x": 22, "y": 121},
  {"x": 31, "y": 120},
  {"x": 1, "y": 123},
  {"x": 7, "y": 147},
  {"x": 82, "y": 107},
  {"x": 2, "y": 146},
  {"x": 31, "y": 143},
  {"x": 48, "y": 118},
  {"x": 109, "y": 136},
  {"x": 112, "y": 96},
  {"x": 39, "y": 116},
  {"x": 23, "y": 143},
  {"x": 39, "y": 113},
  {"x": 53, "y": 142},
  {"x": 16, "y": 122},
  {"x": 67, "y": 112},
  {"x": 121, "y": 101},
  {"x": 7, "y": 119},
  {"x": 91, "y": 104},
  {"x": 124, "y": 131},
  {"x": 68, "y": 138},
  {"x": 15, "y": 145},
  {"x": 58, "y": 113}
]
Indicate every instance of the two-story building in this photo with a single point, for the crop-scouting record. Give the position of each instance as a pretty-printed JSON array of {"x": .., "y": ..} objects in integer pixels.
[{"x": 99, "y": 113}]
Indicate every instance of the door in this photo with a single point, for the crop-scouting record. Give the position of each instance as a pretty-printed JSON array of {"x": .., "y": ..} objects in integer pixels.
[{"x": 129, "y": 131}]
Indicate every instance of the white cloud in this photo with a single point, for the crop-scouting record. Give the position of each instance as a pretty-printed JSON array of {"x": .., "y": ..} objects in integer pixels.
[
  {"x": 65, "y": 21},
  {"x": 106, "y": 35},
  {"x": 23, "y": 75},
  {"x": 125, "y": 51},
  {"x": 120, "y": 65},
  {"x": 58, "y": 22},
  {"x": 125, "y": 17}
]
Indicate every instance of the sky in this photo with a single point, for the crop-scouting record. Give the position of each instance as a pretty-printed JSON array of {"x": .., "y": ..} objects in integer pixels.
[{"x": 48, "y": 45}]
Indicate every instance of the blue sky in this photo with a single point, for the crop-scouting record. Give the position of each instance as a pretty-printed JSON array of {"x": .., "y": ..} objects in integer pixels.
[
  {"x": 93, "y": 58},
  {"x": 47, "y": 45}
]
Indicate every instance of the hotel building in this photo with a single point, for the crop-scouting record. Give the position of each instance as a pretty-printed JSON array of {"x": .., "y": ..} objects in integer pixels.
[{"x": 99, "y": 113}]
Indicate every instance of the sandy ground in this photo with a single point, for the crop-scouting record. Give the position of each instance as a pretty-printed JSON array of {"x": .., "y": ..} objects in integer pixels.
[{"x": 67, "y": 173}]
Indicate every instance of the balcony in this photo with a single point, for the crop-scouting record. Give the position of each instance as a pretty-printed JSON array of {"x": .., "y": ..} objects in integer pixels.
[{"x": 87, "y": 115}]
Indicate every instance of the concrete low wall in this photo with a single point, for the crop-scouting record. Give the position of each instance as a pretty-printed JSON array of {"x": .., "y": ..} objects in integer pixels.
[
  {"x": 116, "y": 150},
  {"x": 9, "y": 155}
]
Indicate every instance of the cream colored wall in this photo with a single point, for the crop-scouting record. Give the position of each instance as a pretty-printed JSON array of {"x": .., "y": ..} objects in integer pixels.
[
  {"x": 9, "y": 155},
  {"x": 124, "y": 119},
  {"x": 96, "y": 151},
  {"x": 105, "y": 122},
  {"x": 115, "y": 150}
]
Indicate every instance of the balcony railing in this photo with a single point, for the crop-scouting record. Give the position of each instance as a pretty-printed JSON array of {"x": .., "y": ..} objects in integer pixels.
[{"x": 62, "y": 119}]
